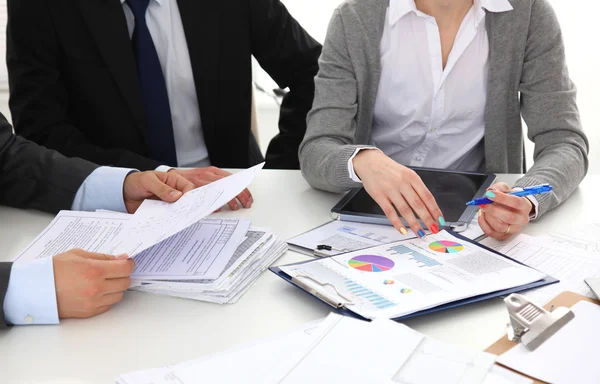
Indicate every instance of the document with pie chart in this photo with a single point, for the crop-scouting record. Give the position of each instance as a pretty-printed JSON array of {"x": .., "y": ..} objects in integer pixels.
[{"x": 408, "y": 276}]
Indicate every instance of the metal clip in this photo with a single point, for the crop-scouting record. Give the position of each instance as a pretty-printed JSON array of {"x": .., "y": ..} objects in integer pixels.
[{"x": 531, "y": 324}]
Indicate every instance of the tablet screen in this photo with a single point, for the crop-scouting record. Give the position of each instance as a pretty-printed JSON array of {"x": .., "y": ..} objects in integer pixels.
[{"x": 451, "y": 191}]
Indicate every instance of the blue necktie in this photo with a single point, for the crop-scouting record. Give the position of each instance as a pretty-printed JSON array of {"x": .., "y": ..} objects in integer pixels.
[{"x": 155, "y": 98}]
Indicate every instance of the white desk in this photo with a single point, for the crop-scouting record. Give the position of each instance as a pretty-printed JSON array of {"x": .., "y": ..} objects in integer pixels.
[{"x": 147, "y": 331}]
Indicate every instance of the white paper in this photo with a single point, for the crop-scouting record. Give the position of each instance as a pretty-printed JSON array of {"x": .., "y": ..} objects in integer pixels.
[
  {"x": 435, "y": 362},
  {"x": 355, "y": 351},
  {"x": 570, "y": 265},
  {"x": 501, "y": 375},
  {"x": 585, "y": 237},
  {"x": 262, "y": 362},
  {"x": 401, "y": 278},
  {"x": 200, "y": 251},
  {"x": 569, "y": 356},
  {"x": 90, "y": 231},
  {"x": 345, "y": 236},
  {"x": 155, "y": 221}
]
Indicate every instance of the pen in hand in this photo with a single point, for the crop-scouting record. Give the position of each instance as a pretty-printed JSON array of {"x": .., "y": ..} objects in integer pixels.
[{"x": 535, "y": 190}]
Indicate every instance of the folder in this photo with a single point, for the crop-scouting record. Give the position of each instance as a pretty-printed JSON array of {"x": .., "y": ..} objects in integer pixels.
[
  {"x": 565, "y": 299},
  {"x": 475, "y": 299}
]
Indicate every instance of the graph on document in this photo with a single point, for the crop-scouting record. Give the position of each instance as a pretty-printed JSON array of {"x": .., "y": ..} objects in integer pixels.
[
  {"x": 375, "y": 299},
  {"x": 419, "y": 258}
]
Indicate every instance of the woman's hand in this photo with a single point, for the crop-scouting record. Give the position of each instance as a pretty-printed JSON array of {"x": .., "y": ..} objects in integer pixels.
[
  {"x": 507, "y": 216},
  {"x": 397, "y": 188}
]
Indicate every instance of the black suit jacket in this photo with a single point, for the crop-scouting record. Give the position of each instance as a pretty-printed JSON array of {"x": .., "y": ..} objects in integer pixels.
[
  {"x": 74, "y": 84},
  {"x": 35, "y": 177}
]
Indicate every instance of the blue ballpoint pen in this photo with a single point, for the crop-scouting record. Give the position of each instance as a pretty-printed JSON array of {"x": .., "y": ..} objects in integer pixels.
[{"x": 535, "y": 190}]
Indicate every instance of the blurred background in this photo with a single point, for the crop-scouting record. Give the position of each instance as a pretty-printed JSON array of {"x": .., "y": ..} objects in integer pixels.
[{"x": 583, "y": 56}]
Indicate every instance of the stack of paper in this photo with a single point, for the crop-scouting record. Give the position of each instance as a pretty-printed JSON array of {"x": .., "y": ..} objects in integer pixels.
[
  {"x": 338, "y": 350},
  {"x": 177, "y": 250},
  {"x": 257, "y": 251}
]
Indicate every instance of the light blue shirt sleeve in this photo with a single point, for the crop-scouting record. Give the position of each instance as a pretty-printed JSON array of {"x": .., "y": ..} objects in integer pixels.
[
  {"x": 103, "y": 189},
  {"x": 31, "y": 297}
]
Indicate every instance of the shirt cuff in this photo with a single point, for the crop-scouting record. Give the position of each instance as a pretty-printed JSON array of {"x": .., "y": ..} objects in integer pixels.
[
  {"x": 31, "y": 295},
  {"x": 351, "y": 172},
  {"x": 536, "y": 206},
  {"x": 163, "y": 168},
  {"x": 102, "y": 189}
]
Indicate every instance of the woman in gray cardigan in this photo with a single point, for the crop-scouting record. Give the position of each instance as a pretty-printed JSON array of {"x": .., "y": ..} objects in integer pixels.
[{"x": 443, "y": 84}]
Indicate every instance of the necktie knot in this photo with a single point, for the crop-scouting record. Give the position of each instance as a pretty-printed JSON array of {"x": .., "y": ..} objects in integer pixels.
[{"x": 138, "y": 8}]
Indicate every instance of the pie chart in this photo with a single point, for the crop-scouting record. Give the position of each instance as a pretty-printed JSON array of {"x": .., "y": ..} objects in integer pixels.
[
  {"x": 446, "y": 246},
  {"x": 371, "y": 263}
]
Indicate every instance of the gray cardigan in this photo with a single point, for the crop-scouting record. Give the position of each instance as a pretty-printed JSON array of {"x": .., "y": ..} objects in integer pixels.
[{"x": 527, "y": 59}]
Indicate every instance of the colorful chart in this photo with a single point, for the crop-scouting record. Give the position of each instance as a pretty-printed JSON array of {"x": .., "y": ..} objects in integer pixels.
[
  {"x": 388, "y": 282},
  {"x": 405, "y": 291},
  {"x": 445, "y": 246},
  {"x": 371, "y": 263}
]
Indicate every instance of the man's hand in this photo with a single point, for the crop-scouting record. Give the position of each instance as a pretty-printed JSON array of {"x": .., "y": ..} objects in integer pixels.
[
  {"x": 88, "y": 284},
  {"x": 507, "y": 216},
  {"x": 203, "y": 176},
  {"x": 140, "y": 186},
  {"x": 397, "y": 188}
]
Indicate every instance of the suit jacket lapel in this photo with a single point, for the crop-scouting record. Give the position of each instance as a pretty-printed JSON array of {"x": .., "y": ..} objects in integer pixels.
[
  {"x": 106, "y": 21},
  {"x": 201, "y": 23}
]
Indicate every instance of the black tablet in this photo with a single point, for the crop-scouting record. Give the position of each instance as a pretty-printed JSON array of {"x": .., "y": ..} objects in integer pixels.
[{"x": 452, "y": 190}]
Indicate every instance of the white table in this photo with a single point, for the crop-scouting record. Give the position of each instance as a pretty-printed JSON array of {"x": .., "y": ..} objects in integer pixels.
[{"x": 147, "y": 331}]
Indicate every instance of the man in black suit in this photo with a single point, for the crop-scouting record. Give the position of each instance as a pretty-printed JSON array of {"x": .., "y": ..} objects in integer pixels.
[
  {"x": 75, "y": 283},
  {"x": 144, "y": 83}
]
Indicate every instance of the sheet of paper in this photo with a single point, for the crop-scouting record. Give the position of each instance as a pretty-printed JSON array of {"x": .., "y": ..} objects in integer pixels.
[
  {"x": 397, "y": 279},
  {"x": 262, "y": 362},
  {"x": 569, "y": 265},
  {"x": 501, "y": 375},
  {"x": 375, "y": 351},
  {"x": 200, "y": 251},
  {"x": 584, "y": 237},
  {"x": 434, "y": 362},
  {"x": 155, "y": 221},
  {"x": 345, "y": 236},
  {"x": 569, "y": 356},
  {"x": 90, "y": 231}
]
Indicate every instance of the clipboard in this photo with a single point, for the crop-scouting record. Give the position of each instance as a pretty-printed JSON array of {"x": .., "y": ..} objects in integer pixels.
[
  {"x": 475, "y": 299},
  {"x": 565, "y": 299}
]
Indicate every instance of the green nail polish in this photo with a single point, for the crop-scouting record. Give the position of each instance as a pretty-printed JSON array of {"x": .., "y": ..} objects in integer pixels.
[
  {"x": 442, "y": 221},
  {"x": 490, "y": 194}
]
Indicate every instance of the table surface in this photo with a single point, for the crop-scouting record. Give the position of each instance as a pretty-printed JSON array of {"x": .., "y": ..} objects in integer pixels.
[{"x": 145, "y": 330}]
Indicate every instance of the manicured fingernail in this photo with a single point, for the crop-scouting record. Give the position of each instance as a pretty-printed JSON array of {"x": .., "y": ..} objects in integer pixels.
[
  {"x": 434, "y": 228},
  {"x": 421, "y": 233},
  {"x": 403, "y": 231},
  {"x": 442, "y": 221},
  {"x": 175, "y": 193},
  {"x": 482, "y": 206},
  {"x": 480, "y": 212},
  {"x": 490, "y": 194}
]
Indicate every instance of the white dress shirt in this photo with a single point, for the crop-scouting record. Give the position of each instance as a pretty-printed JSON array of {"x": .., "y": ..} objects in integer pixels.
[
  {"x": 31, "y": 295},
  {"x": 427, "y": 115},
  {"x": 166, "y": 29}
]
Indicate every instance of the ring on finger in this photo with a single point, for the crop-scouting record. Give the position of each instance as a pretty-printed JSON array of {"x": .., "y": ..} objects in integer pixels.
[{"x": 507, "y": 230}]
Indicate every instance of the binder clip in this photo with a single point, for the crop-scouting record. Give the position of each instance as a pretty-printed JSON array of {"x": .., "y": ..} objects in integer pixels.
[{"x": 531, "y": 324}]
